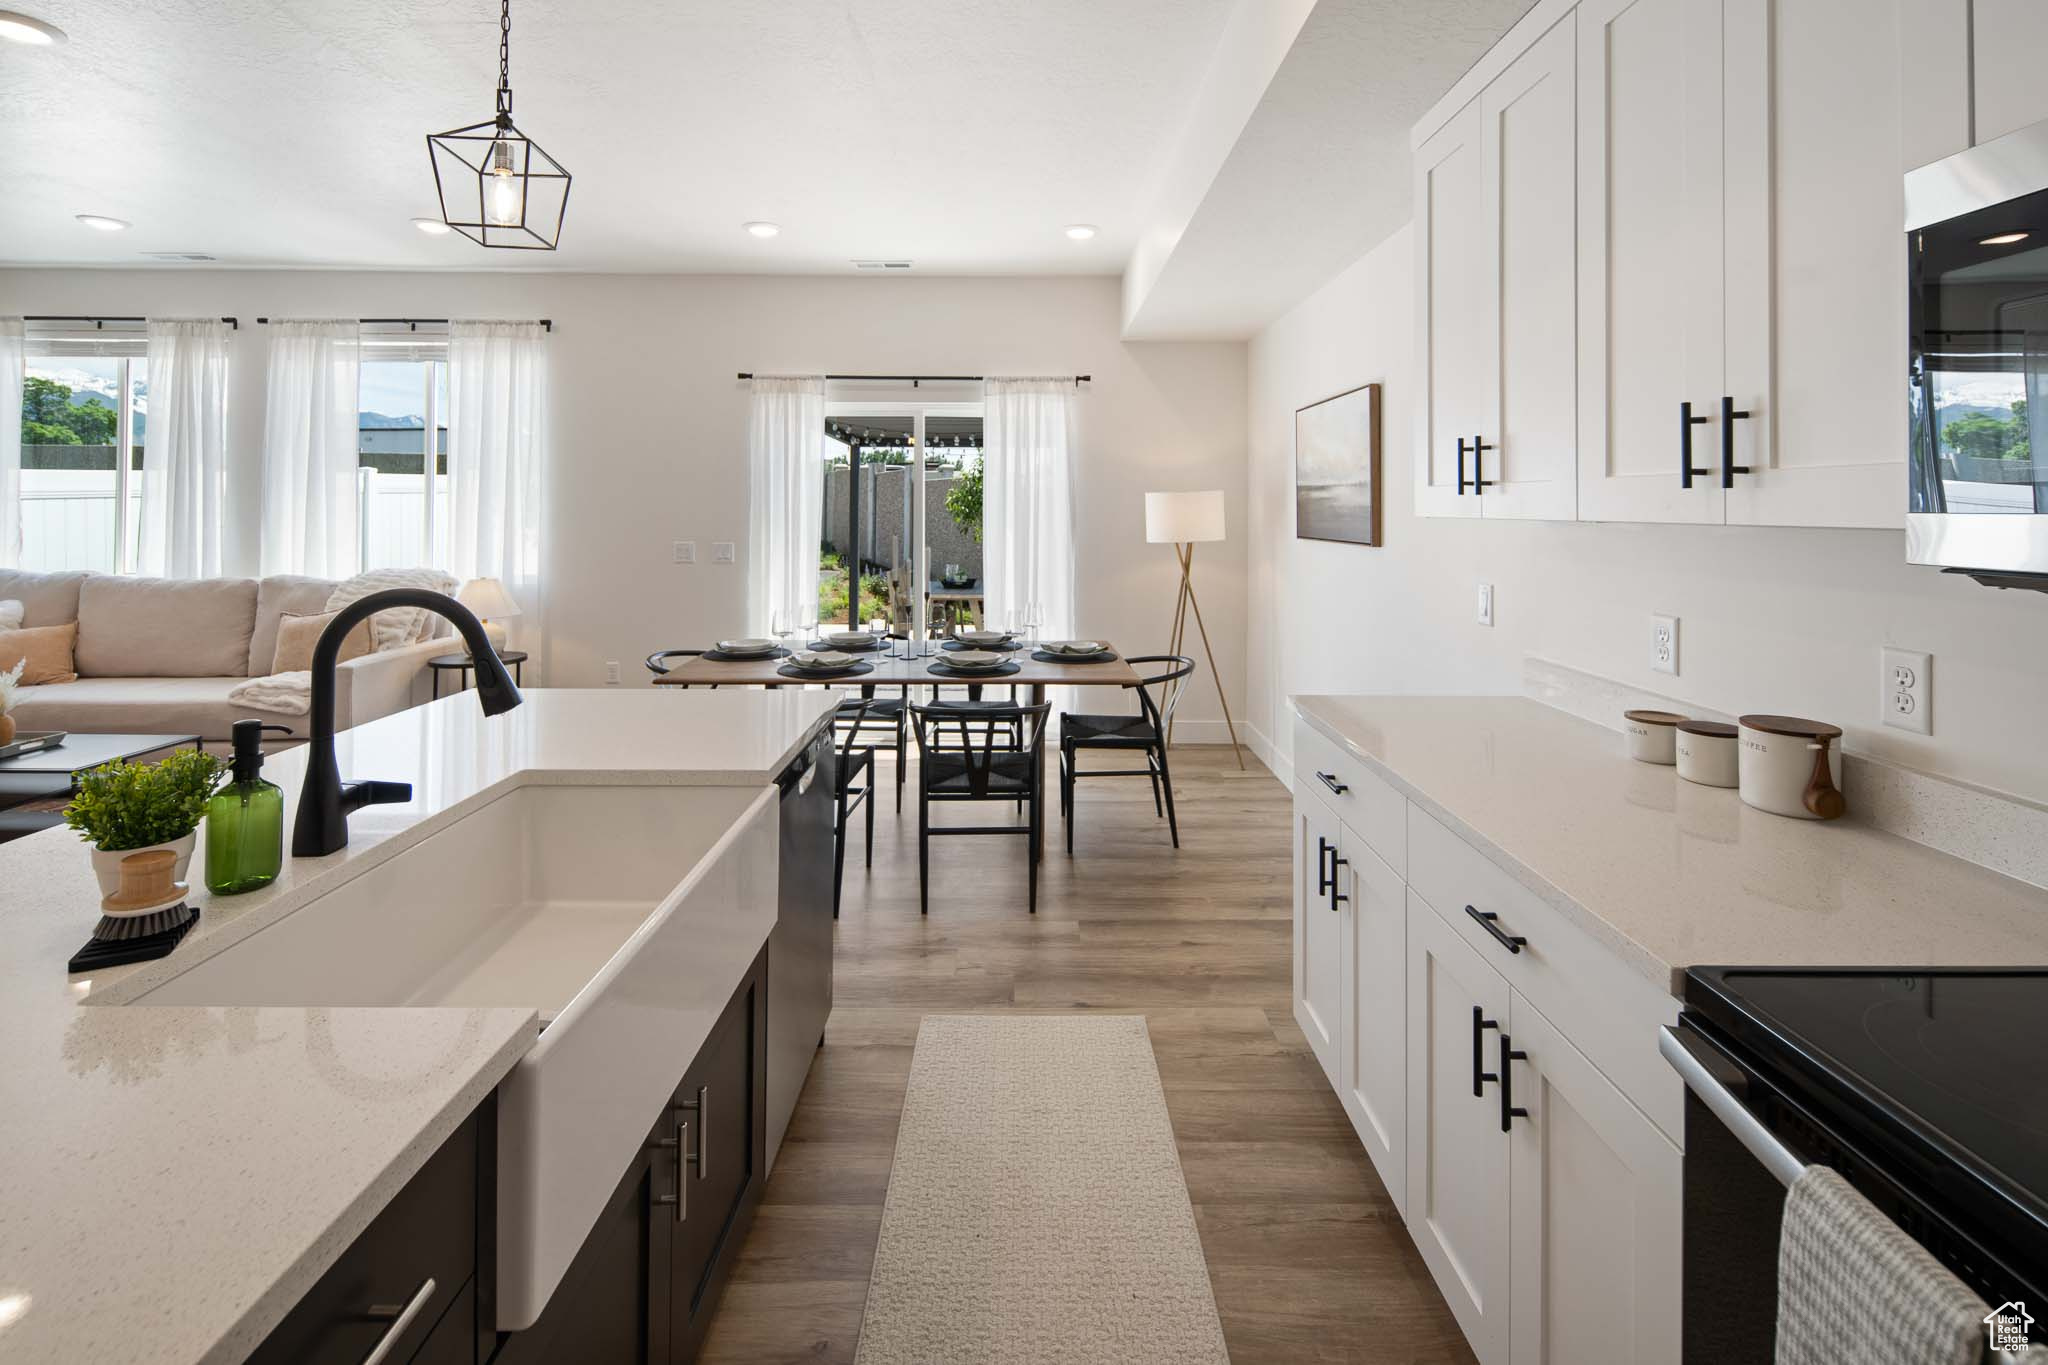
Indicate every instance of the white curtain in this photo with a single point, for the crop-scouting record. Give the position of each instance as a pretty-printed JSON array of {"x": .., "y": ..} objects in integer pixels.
[
  {"x": 786, "y": 496},
  {"x": 1028, "y": 444},
  {"x": 185, "y": 449},
  {"x": 309, "y": 449},
  {"x": 497, "y": 462},
  {"x": 13, "y": 368}
]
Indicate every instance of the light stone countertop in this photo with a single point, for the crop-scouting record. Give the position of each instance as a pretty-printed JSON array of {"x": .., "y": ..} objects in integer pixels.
[
  {"x": 1669, "y": 874},
  {"x": 176, "y": 1178}
]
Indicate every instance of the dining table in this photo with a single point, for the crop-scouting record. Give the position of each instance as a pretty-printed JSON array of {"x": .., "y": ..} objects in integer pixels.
[{"x": 885, "y": 670}]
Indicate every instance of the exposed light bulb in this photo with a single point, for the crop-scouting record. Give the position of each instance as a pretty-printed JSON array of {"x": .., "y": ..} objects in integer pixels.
[{"x": 505, "y": 190}]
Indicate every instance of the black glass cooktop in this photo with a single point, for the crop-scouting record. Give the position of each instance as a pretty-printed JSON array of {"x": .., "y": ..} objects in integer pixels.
[{"x": 1949, "y": 1068}]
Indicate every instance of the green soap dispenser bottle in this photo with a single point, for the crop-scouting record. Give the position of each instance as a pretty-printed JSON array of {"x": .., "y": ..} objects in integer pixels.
[{"x": 245, "y": 820}]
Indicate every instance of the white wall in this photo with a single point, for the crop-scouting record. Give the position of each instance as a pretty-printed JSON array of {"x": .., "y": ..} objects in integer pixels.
[
  {"x": 1779, "y": 620},
  {"x": 650, "y": 425}
]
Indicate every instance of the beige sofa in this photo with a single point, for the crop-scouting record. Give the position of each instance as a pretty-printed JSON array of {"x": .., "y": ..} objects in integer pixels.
[{"x": 159, "y": 655}]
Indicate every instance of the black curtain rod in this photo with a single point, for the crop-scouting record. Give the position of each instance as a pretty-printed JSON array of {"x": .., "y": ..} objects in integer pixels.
[
  {"x": 546, "y": 324},
  {"x": 99, "y": 324},
  {"x": 915, "y": 379}
]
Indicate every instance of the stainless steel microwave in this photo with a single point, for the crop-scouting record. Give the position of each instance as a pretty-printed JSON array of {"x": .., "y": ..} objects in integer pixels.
[{"x": 1977, "y": 251}]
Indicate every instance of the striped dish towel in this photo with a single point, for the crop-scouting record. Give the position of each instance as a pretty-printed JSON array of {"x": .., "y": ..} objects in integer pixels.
[{"x": 1853, "y": 1287}]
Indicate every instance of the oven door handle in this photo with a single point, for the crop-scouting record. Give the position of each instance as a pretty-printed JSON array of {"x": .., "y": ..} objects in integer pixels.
[{"x": 1696, "y": 1061}]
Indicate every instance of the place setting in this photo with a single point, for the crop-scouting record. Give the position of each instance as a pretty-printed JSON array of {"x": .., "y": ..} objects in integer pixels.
[
  {"x": 824, "y": 663},
  {"x": 1073, "y": 652},
  {"x": 973, "y": 664},
  {"x": 747, "y": 649},
  {"x": 974, "y": 639},
  {"x": 850, "y": 641}
]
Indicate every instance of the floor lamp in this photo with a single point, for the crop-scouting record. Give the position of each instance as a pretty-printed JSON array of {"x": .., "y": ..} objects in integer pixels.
[{"x": 1180, "y": 520}]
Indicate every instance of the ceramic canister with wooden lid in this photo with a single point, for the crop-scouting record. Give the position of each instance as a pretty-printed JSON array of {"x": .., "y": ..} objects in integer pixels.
[
  {"x": 1707, "y": 753},
  {"x": 1791, "y": 766},
  {"x": 1652, "y": 735}
]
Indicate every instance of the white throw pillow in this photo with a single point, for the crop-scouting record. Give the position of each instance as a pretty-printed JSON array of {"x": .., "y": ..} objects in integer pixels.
[
  {"x": 11, "y": 612},
  {"x": 399, "y": 626}
]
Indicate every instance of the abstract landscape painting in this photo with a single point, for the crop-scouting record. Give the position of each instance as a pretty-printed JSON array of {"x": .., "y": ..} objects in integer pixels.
[{"x": 1337, "y": 468}]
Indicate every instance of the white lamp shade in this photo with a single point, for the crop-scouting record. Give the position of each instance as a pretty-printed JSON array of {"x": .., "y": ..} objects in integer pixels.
[
  {"x": 1171, "y": 518},
  {"x": 488, "y": 599}
]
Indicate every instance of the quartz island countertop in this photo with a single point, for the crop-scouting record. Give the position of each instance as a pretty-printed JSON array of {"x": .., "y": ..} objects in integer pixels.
[
  {"x": 178, "y": 1177},
  {"x": 1668, "y": 874}
]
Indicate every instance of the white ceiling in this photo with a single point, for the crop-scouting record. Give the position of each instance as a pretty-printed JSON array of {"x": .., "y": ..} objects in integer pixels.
[
  {"x": 1235, "y": 153},
  {"x": 963, "y": 135}
]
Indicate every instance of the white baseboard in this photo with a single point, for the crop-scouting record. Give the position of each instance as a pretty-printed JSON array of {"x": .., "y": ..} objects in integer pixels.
[
  {"x": 1257, "y": 740},
  {"x": 1203, "y": 732}
]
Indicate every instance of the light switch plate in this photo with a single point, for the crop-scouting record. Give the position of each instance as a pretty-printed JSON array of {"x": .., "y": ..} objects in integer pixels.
[
  {"x": 1906, "y": 690},
  {"x": 1486, "y": 604},
  {"x": 611, "y": 672},
  {"x": 686, "y": 552},
  {"x": 721, "y": 552},
  {"x": 1664, "y": 644}
]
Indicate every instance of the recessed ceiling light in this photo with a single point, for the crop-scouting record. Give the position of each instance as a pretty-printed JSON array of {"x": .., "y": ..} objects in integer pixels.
[
  {"x": 433, "y": 227},
  {"x": 2004, "y": 239},
  {"x": 103, "y": 223},
  {"x": 762, "y": 229},
  {"x": 19, "y": 28},
  {"x": 1080, "y": 232}
]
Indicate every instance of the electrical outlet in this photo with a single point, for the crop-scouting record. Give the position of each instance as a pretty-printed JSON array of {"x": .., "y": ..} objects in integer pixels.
[
  {"x": 1486, "y": 604},
  {"x": 1664, "y": 644},
  {"x": 721, "y": 552},
  {"x": 1906, "y": 690},
  {"x": 686, "y": 552},
  {"x": 611, "y": 672}
]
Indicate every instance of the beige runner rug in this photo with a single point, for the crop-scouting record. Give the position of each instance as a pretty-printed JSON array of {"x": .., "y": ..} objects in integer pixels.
[{"x": 1036, "y": 1212}]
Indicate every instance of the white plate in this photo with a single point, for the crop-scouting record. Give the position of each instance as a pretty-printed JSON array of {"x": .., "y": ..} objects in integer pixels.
[
  {"x": 747, "y": 646},
  {"x": 975, "y": 660},
  {"x": 848, "y": 637},
  {"x": 820, "y": 660},
  {"x": 981, "y": 637},
  {"x": 1073, "y": 647}
]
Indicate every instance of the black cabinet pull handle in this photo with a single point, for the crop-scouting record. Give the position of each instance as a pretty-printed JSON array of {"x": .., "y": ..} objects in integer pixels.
[
  {"x": 1337, "y": 897},
  {"x": 1490, "y": 922},
  {"x": 1330, "y": 780},
  {"x": 1324, "y": 879},
  {"x": 1686, "y": 422},
  {"x": 1509, "y": 1110},
  {"x": 1461, "y": 466},
  {"x": 1730, "y": 414},
  {"x": 1480, "y": 1023},
  {"x": 1480, "y": 483}
]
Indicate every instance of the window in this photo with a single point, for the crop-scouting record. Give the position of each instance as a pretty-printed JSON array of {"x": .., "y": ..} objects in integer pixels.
[
  {"x": 84, "y": 403},
  {"x": 403, "y": 398},
  {"x": 882, "y": 504}
]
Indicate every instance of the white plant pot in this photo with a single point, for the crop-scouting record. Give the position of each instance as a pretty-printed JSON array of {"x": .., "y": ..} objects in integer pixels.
[{"x": 106, "y": 863}]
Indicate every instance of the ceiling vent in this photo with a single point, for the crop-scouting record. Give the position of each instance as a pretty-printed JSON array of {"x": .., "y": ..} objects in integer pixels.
[
  {"x": 180, "y": 257},
  {"x": 881, "y": 265}
]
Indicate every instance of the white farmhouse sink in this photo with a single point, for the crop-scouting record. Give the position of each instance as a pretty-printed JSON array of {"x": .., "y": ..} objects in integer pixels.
[{"x": 622, "y": 914}]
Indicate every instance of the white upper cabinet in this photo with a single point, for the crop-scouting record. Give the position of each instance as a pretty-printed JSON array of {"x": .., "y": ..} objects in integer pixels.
[
  {"x": 1527, "y": 154},
  {"x": 2009, "y": 39},
  {"x": 1934, "y": 80},
  {"x": 1450, "y": 308},
  {"x": 1830, "y": 317},
  {"x": 1495, "y": 304},
  {"x": 1651, "y": 244}
]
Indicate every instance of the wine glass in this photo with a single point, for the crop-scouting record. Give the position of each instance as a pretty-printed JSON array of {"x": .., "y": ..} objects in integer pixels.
[
  {"x": 778, "y": 625},
  {"x": 1034, "y": 617},
  {"x": 807, "y": 621}
]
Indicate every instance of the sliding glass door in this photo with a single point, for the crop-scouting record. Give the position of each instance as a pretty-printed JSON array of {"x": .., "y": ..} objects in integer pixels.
[{"x": 902, "y": 523}]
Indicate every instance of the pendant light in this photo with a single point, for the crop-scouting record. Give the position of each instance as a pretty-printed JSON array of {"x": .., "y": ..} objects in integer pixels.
[{"x": 496, "y": 186}]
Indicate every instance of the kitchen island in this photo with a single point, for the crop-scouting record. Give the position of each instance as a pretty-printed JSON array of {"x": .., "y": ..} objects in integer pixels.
[{"x": 179, "y": 1176}]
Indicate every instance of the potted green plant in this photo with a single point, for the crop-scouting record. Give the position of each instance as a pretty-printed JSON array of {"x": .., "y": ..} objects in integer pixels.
[{"x": 123, "y": 808}]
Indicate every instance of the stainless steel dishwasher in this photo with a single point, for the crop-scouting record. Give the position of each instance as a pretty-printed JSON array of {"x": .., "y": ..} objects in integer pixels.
[{"x": 800, "y": 949}]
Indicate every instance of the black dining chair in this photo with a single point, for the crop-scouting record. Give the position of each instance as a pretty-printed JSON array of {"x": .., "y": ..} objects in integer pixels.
[
  {"x": 658, "y": 663},
  {"x": 869, "y": 713},
  {"x": 951, "y": 775},
  {"x": 855, "y": 786},
  {"x": 1143, "y": 733}
]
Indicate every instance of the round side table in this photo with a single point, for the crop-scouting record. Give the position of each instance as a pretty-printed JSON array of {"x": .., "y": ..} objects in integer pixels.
[{"x": 461, "y": 664}]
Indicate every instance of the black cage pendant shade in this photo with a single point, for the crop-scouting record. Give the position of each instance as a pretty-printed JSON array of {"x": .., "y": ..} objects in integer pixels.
[{"x": 496, "y": 186}]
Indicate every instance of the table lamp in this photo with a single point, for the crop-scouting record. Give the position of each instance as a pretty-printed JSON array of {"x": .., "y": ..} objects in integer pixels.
[
  {"x": 1181, "y": 520},
  {"x": 490, "y": 601}
]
